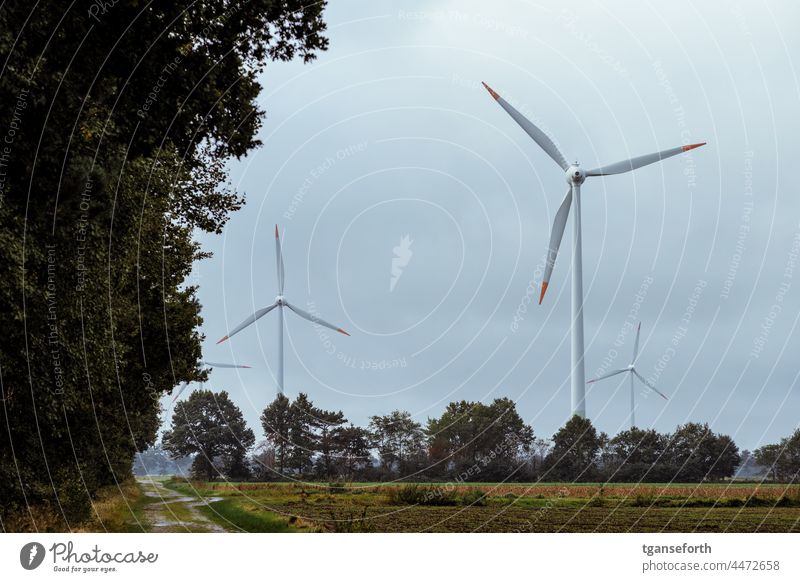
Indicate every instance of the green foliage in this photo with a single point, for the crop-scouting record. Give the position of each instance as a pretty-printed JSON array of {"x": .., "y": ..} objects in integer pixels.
[
  {"x": 428, "y": 495},
  {"x": 575, "y": 453},
  {"x": 484, "y": 441},
  {"x": 209, "y": 425},
  {"x": 307, "y": 440},
  {"x": 474, "y": 497},
  {"x": 124, "y": 121},
  {"x": 699, "y": 454},
  {"x": 781, "y": 460},
  {"x": 399, "y": 441}
]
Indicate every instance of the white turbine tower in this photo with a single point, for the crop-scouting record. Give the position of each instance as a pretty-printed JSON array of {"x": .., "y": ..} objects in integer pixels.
[
  {"x": 280, "y": 303},
  {"x": 634, "y": 374},
  {"x": 575, "y": 177},
  {"x": 204, "y": 364}
]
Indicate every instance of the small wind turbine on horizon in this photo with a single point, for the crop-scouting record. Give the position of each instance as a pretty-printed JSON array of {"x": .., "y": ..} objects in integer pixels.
[
  {"x": 280, "y": 303},
  {"x": 205, "y": 364},
  {"x": 575, "y": 176},
  {"x": 634, "y": 374}
]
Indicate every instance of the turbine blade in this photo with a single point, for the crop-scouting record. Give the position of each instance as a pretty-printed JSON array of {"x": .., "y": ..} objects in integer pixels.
[
  {"x": 638, "y": 162},
  {"x": 279, "y": 261},
  {"x": 252, "y": 319},
  {"x": 536, "y": 134},
  {"x": 603, "y": 377},
  {"x": 636, "y": 344},
  {"x": 181, "y": 388},
  {"x": 314, "y": 319},
  {"x": 218, "y": 365},
  {"x": 559, "y": 224},
  {"x": 649, "y": 385}
]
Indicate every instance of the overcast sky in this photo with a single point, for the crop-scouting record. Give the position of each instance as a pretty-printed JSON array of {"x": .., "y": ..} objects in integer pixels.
[{"x": 389, "y": 134}]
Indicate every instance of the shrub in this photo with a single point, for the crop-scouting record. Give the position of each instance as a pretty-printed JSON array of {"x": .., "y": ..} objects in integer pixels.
[
  {"x": 474, "y": 497},
  {"x": 415, "y": 494}
]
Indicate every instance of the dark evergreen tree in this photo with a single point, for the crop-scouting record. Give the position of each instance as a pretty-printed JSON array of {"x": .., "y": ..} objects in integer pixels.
[
  {"x": 209, "y": 426},
  {"x": 575, "y": 452},
  {"x": 400, "y": 443},
  {"x": 276, "y": 421}
]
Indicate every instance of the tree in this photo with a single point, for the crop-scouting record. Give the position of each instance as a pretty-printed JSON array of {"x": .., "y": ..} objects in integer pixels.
[
  {"x": 576, "y": 447},
  {"x": 540, "y": 449},
  {"x": 235, "y": 465},
  {"x": 400, "y": 442},
  {"x": 782, "y": 459},
  {"x": 697, "y": 454},
  {"x": 124, "y": 121},
  {"x": 354, "y": 445},
  {"x": 209, "y": 426},
  {"x": 638, "y": 455},
  {"x": 276, "y": 420},
  {"x": 301, "y": 434},
  {"x": 303, "y": 439},
  {"x": 263, "y": 462},
  {"x": 481, "y": 441},
  {"x": 329, "y": 443}
]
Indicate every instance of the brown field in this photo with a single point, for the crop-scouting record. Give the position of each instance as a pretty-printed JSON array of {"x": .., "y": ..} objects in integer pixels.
[{"x": 492, "y": 507}]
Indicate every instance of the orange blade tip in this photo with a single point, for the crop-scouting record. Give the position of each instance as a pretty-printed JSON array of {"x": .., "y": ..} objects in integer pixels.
[
  {"x": 340, "y": 330},
  {"x": 276, "y": 231},
  {"x": 222, "y": 340},
  {"x": 691, "y": 146},
  {"x": 490, "y": 90},
  {"x": 544, "y": 290}
]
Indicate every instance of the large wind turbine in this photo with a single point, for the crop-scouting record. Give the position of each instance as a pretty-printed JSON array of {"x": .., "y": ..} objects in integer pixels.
[
  {"x": 204, "y": 364},
  {"x": 575, "y": 176},
  {"x": 280, "y": 303},
  {"x": 634, "y": 374}
]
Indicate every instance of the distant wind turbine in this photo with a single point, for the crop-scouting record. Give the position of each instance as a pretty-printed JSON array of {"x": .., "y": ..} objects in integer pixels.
[
  {"x": 575, "y": 177},
  {"x": 632, "y": 369},
  {"x": 280, "y": 303},
  {"x": 204, "y": 364}
]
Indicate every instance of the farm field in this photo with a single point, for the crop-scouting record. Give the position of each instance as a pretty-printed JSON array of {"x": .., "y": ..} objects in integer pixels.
[{"x": 494, "y": 507}]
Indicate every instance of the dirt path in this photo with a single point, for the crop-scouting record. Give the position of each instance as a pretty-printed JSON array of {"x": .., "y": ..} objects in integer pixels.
[{"x": 169, "y": 511}]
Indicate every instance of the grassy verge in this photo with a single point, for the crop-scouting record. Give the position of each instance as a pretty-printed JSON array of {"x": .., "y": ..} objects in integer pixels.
[
  {"x": 238, "y": 514},
  {"x": 117, "y": 510}
]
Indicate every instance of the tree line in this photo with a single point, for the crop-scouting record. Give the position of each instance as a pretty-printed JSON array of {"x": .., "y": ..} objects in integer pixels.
[
  {"x": 117, "y": 130},
  {"x": 469, "y": 441}
]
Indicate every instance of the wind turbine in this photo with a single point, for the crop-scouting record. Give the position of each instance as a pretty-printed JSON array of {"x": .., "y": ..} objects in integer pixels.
[
  {"x": 280, "y": 303},
  {"x": 204, "y": 364},
  {"x": 634, "y": 374},
  {"x": 575, "y": 176}
]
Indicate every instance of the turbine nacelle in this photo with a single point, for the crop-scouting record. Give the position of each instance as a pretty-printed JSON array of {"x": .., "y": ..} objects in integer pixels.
[
  {"x": 575, "y": 175},
  {"x": 280, "y": 300}
]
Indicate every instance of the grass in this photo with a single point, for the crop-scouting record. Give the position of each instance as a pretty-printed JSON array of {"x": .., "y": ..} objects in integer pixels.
[
  {"x": 237, "y": 513},
  {"x": 116, "y": 509}
]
